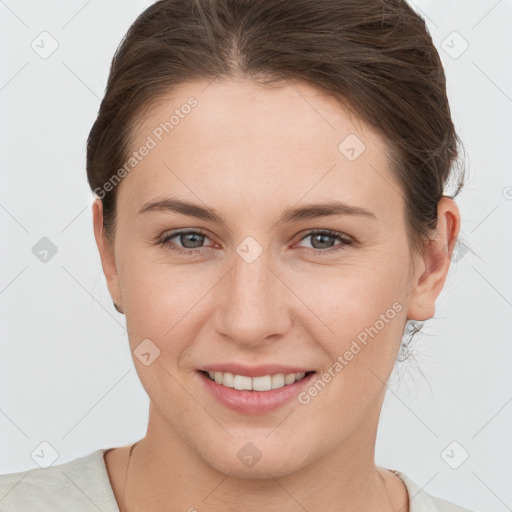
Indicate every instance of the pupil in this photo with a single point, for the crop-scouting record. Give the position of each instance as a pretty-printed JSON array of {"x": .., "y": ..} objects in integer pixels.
[
  {"x": 192, "y": 235},
  {"x": 322, "y": 236}
]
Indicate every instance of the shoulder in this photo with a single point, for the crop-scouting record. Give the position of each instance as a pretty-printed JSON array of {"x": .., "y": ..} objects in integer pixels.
[
  {"x": 421, "y": 501},
  {"x": 81, "y": 485}
]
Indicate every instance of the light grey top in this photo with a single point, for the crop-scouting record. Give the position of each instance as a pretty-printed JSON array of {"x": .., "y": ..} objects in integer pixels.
[{"x": 83, "y": 485}]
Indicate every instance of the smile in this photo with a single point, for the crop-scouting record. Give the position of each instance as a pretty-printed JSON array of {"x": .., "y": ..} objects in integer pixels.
[{"x": 262, "y": 383}]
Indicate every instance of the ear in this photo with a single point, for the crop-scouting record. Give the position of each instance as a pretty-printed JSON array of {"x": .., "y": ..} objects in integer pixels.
[
  {"x": 434, "y": 263},
  {"x": 106, "y": 251}
]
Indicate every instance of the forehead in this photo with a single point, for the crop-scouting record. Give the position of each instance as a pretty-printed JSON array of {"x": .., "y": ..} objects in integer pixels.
[{"x": 235, "y": 141}]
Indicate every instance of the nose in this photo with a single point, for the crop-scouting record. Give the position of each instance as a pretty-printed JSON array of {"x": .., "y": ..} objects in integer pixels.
[{"x": 254, "y": 306}]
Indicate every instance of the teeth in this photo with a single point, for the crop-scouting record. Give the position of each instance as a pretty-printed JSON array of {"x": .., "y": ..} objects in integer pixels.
[
  {"x": 277, "y": 380},
  {"x": 289, "y": 379},
  {"x": 241, "y": 382},
  {"x": 263, "y": 383}
]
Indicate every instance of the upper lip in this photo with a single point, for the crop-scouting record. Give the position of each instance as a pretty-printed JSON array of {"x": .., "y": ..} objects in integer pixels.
[{"x": 254, "y": 371}]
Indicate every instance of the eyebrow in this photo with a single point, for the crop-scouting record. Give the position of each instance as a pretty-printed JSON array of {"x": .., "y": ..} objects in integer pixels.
[{"x": 301, "y": 213}]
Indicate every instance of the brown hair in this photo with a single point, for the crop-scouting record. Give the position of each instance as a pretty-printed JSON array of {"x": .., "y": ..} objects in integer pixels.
[{"x": 376, "y": 57}]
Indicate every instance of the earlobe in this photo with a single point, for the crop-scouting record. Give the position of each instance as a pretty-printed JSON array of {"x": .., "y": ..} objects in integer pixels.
[
  {"x": 427, "y": 286},
  {"x": 106, "y": 251}
]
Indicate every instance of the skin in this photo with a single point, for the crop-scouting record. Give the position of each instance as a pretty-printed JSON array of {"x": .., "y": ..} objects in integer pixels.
[{"x": 250, "y": 152}]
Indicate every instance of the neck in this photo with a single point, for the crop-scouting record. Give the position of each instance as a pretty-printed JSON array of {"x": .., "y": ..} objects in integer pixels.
[{"x": 163, "y": 469}]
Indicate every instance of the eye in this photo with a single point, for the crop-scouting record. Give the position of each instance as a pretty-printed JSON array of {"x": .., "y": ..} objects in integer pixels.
[
  {"x": 191, "y": 240},
  {"x": 320, "y": 237}
]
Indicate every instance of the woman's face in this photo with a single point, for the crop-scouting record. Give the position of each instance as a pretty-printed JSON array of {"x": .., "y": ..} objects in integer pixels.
[{"x": 258, "y": 288}]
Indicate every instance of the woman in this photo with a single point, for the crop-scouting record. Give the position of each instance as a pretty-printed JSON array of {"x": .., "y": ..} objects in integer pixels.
[{"x": 270, "y": 214}]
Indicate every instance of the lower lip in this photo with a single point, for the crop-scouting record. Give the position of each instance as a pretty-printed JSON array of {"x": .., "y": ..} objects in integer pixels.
[{"x": 254, "y": 402}]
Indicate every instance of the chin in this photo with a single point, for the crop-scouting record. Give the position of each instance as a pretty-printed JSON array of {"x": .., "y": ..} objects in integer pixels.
[
  {"x": 258, "y": 459},
  {"x": 264, "y": 469}
]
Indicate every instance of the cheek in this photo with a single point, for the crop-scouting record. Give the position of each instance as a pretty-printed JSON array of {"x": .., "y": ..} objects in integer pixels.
[
  {"x": 361, "y": 344},
  {"x": 162, "y": 306},
  {"x": 158, "y": 294},
  {"x": 359, "y": 318},
  {"x": 165, "y": 304},
  {"x": 355, "y": 296},
  {"x": 359, "y": 303}
]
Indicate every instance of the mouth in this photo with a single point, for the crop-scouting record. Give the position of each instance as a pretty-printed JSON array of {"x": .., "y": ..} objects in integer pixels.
[
  {"x": 254, "y": 390},
  {"x": 261, "y": 383}
]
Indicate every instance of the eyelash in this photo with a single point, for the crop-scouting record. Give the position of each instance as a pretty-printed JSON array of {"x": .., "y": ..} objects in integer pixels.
[{"x": 165, "y": 242}]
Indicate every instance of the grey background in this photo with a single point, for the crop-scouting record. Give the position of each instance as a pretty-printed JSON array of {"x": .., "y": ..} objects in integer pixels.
[{"x": 66, "y": 375}]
